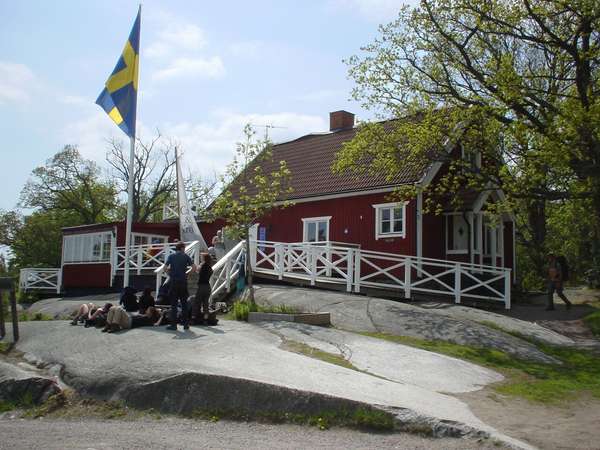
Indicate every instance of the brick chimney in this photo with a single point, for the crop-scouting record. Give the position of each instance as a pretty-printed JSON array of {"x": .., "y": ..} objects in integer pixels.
[{"x": 341, "y": 120}]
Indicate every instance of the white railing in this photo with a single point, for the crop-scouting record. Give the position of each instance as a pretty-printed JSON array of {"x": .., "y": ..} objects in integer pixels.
[
  {"x": 192, "y": 248},
  {"x": 227, "y": 269},
  {"x": 170, "y": 211},
  {"x": 41, "y": 279},
  {"x": 142, "y": 258},
  {"x": 356, "y": 268}
]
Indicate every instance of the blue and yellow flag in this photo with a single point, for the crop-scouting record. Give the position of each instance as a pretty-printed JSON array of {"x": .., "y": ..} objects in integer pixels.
[{"x": 119, "y": 97}]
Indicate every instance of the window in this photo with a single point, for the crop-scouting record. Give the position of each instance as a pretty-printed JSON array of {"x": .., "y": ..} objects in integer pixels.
[
  {"x": 89, "y": 247},
  {"x": 457, "y": 234},
  {"x": 148, "y": 239},
  {"x": 389, "y": 220},
  {"x": 315, "y": 229}
]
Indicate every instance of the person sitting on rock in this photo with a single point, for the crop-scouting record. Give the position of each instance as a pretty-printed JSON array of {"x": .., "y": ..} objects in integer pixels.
[
  {"x": 84, "y": 312},
  {"x": 98, "y": 318},
  {"x": 129, "y": 300},
  {"x": 146, "y": 300},
  {"x": 119, "y": 319}
]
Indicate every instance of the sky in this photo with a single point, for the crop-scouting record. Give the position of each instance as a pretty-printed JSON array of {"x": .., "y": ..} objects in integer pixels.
[{"x": 206, "y": 69}]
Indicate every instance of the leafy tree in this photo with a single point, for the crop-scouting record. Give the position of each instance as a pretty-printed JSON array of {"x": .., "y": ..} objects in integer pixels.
[
  {"x": 36, "y": 240},
  {"x": 517, "y": 80},
  {"x": 254, "y": 183},
  {"x": 68, "y": 183}
]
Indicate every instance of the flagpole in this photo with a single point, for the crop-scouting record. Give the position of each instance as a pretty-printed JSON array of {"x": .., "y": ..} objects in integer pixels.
[
  {"x": 130, "y": 191},
  {"x": 129, "y": 211}
]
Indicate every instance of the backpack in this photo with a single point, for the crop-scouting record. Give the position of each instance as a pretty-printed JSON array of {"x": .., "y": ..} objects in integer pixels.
[{"x": 564, "y": 265}]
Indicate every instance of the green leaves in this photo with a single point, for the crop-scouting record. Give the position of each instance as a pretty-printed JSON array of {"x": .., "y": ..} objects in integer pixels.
[{"x": 255, "y": 183}]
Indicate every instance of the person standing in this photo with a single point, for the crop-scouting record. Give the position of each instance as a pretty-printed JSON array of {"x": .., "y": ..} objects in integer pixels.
[
  {"x": 555, "y": 282},
  {"x": 200, "y": 310},
  {"x": 177, "y": 265}
]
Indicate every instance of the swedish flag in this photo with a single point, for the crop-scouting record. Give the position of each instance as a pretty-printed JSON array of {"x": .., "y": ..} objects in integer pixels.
[{"x": 119, "y": 97}]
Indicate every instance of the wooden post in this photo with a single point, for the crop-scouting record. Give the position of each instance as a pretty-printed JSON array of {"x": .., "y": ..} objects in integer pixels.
[
  {"x": 457, "y": 274},
  {"x": 15, "y": 317},
  {"x": 279, "y": 260},
  {"x": 357, "y": 270},
  {"x": 350, "y": 273},
  {"x": 313, "y": 265},
  {"x": 507, "y": 288},
  {"x": 2, "y": 326},
  {"x": 407, "y": 277}
]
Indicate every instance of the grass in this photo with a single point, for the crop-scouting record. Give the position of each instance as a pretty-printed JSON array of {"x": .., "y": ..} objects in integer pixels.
[
  {"x": 307, "y": 350},
  {"x": 361, "y": 418},
  {"x": 68, "y": 404},
  {"x": 579, "y": 372},
  {"x": 593, "y": 322},
  {"x": 241, "y": 310}
]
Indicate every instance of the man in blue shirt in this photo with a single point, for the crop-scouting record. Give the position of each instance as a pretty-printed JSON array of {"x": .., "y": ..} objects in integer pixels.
[{"x": 177, "y": 265}]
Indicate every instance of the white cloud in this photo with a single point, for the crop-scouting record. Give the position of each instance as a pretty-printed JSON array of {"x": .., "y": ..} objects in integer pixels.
[
  {"x": 17, "y": 83},
  {"x": 191, "y": 67},
  {"x": 209, "y": 146},
  {"x": 382, "y": 11},
  {"x": 90, "y": 135},
  {"x": 175, "y": 37},
  {"x": 175, "y": 51}
]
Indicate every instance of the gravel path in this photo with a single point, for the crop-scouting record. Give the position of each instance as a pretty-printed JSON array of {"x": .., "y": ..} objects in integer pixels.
[{"x": 171, "y": 433}]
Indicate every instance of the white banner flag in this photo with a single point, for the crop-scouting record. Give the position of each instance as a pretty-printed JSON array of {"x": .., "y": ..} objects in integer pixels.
[{"x": 188, "y": 228}]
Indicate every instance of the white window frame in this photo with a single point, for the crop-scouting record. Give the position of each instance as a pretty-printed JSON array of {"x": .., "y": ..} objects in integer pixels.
[
  {"x": 72, "y": 242},
  {"x": 316, "y": 220},
  {"x": 391, "y": 234},
  {"x": 446, "y": 229},
  {"x": 163, "y": 237}
]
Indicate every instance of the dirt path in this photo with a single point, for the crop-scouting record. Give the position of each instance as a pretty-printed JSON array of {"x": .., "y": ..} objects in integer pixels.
[
  {"x": 174, "y": 433},
  {"x": 575, "y": 425}
]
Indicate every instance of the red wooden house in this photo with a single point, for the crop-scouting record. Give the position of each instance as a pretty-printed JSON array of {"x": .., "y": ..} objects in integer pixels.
[
  {"x": 352, "y": 210},
  {"x": 355, "y": 209}
]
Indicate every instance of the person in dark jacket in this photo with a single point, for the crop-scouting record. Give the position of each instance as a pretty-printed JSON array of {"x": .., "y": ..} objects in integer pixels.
[
  {"x": 200, "y": 310},
  {"x": 129, "y": 300},
  {"x": 146, "y": 300},
  {"x": 177, "y": 265}
]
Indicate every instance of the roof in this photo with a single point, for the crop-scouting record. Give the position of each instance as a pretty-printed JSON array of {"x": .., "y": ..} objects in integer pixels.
[{"x": 311, "y": 157}]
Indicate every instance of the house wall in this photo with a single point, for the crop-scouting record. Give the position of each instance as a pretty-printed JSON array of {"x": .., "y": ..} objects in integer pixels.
[
  {"x": 170, "y": 229},
  {"x": 352, "y": 220},
  {"x": 88, "y": 275}
]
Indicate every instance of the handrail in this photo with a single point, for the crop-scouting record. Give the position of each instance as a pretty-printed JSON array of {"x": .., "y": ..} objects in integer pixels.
[{"x": 336, "y": 264}]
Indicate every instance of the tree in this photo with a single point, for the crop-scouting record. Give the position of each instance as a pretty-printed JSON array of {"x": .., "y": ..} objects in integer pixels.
[
  {"x": 517, "y": 80},
  {"x": 254, "y": 182},
  {"x": 36, "y": 240},
  {"x": 153, "y": 175},
  {"x": 69, "y": 183}
]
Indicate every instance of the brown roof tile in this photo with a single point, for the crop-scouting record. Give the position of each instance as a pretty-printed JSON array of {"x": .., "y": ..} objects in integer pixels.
[{"x": 311, "y": 157}]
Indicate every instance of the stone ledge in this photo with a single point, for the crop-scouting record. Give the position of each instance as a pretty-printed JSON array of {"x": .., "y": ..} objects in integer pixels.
[{"x": 307, "y": 318}]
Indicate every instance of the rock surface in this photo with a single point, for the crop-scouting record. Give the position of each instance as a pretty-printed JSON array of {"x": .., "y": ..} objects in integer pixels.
[
  {"x": 18, "y": 385},
  {"x": 358, "y": 313},
  {"x": 234, "y": 365}
]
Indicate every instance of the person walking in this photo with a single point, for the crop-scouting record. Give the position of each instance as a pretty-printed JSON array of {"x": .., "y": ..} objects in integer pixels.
[
  {"x": 177, "y": 265},
  {"x": 555, "y": 282},
  {"x": 200, "y": 309}
]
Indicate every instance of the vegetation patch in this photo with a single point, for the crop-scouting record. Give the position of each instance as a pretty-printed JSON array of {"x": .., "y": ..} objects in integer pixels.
[
  {"x": 593, "y": 322},
  {"x": 307, "y": 350},
  {"x": 579, "y": 372},
  {"x": 361, "y": 418},
  {"x": 241, "y": 310}
]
